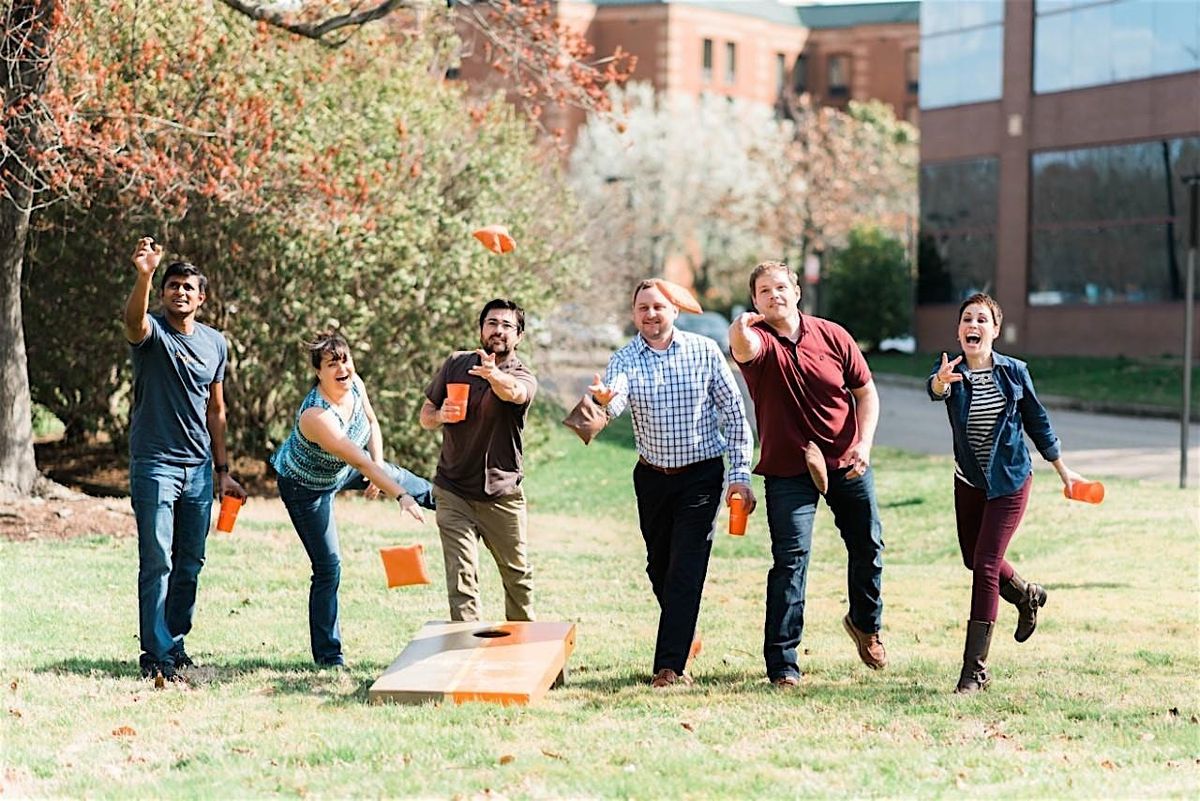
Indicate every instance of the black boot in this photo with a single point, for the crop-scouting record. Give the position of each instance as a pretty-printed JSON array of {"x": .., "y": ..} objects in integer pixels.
[
  {"x": 974, "y": 676},
  {"x": 1027, "y": 597}
]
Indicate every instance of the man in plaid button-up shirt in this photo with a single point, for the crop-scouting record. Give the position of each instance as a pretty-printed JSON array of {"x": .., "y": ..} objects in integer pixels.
[{"x": 687, "y": 412}]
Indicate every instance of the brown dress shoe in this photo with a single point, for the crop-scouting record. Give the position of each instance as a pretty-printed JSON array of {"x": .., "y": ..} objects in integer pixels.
[
  {"x": 870, "y": 648},
  {"x": 788, "y": 682},
  {"x": 669, "y": 678}
]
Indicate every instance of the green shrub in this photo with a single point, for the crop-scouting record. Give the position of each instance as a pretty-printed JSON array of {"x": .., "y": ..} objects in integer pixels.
[{"x": 868, "y": 287}]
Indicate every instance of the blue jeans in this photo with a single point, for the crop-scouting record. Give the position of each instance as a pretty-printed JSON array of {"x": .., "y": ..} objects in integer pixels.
[
  {"x": 311, "y": 512},
  {"x": 172, "y": 506},
  {"x": 791, "y": 505}
]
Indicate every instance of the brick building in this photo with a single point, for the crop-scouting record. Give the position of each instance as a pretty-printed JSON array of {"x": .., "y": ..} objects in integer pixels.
[
  {"x": 752, "y": 49},
  {"x": 1056, "y": 135}
]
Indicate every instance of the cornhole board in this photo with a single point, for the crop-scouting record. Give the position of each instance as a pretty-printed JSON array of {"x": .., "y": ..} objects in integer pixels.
[{"x": 502, "y": 663}]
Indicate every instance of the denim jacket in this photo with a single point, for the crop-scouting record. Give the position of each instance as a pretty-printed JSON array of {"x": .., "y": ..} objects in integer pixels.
[{"x": 1010, "y": 464}]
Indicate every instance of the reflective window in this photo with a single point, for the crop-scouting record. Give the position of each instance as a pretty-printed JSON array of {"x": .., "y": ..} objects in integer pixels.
[
  {"x": 1108, "y": 224},
  {"x": 730, "y": 62},
  {"x": 838, "y": 74},
  {"x": 957, "y": 245},
  {"x": 1080, "y": 43},
  {"x": 780, "y": 72},
  {"x": 912, "y": 70},
  {"x": 962, "y": 52},
  {"x": 706, "y": 60}
]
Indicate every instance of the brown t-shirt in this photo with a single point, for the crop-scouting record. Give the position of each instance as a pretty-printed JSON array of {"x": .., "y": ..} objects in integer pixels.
[
  {"x": 481, "y": 456},
  {"x": 801, "y": 394}
]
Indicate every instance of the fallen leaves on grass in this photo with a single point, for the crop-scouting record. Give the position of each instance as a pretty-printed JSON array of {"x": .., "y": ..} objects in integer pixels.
[
  {"x": 507, "y": 758},
  {"x": 124, "y": 731},
  {"x": 553, "y": 755}
]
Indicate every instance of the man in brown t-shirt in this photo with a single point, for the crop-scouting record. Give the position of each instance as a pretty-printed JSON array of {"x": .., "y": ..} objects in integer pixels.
[
  {"x": 811, "y": 386},
  {"x": 477, "y": 486}
]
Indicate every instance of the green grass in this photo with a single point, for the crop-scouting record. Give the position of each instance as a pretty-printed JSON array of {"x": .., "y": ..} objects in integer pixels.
[
  {"x": 1144, "y": 382},
  {"x": 1102, "y": 702}
]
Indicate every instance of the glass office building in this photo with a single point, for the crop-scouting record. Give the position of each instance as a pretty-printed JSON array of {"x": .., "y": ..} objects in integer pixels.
[{"x": 1056, "y": 140}]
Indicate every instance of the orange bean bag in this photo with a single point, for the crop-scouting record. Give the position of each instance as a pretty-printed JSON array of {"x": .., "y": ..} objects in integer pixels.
[
  {"x": 683, "y": 299},
  {"x": 404, "y": 565},
  {"x": 495, "y": 238}
]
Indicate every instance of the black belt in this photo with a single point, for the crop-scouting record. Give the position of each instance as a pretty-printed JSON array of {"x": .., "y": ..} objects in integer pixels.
[{"x": 674, "y": 471}]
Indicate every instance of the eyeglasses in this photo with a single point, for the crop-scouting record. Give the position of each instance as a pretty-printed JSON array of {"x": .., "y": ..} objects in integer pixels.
[{"x": 503, "y": 325}]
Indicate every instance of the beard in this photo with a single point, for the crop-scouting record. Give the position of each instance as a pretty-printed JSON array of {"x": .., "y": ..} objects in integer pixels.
[{"x": 496, "y": 347}]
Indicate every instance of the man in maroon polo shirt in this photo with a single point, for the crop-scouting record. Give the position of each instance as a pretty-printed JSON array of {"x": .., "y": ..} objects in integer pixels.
[{"x": 811, "y": 385}]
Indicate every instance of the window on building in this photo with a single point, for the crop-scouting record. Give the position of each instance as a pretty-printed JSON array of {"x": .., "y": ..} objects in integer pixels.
[
  {"x": 800, "y": 75},
  {"x": 912, "y": 70},
  {"x": 1078, "y": 44},
  {"x": 730, "y": 62},
  {"x": 961, "y": 52},
  {"x": 706, "y": 61},
  {"x": 837, "y": 73},
  {"x": 1108, "y": 224},
  {"x": 956, "y": 251},
  {"x": 780, "y": 73}
]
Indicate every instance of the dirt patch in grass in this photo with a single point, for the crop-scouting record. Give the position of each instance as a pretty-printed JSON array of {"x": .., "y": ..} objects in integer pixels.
[
  {"x": 64, "y": 517},
  {"x": 84, "y": 492}
]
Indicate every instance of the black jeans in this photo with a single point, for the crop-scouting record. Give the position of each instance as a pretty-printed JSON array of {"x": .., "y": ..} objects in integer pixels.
[{"x": 676, "y": 513}]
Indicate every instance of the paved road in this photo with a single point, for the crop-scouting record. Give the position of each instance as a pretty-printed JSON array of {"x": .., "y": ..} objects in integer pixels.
[{"x": 1093, "y": 444}]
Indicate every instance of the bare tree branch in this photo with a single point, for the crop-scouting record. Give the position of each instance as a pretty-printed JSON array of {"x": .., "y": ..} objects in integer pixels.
[{"x": 272, "y": 14}]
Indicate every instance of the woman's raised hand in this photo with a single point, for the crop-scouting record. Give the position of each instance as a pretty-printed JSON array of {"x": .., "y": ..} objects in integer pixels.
[{"x": 946, "y": 375}]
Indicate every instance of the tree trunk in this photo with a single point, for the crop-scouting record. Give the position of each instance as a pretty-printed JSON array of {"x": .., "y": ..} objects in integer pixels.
[
  {"x": 17, "y": 468},
  {"x": 25, "y": 55}
]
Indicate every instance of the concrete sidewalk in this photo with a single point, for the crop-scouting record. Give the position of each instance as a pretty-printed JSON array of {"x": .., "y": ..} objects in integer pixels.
[{"x": 1095, "y": 445}]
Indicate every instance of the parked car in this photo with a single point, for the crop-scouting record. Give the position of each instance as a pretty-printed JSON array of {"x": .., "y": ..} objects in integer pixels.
[{"x": 709, "y": 324}]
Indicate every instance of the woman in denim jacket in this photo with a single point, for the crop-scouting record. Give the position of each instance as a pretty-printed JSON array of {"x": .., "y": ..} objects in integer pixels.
[{"x": 990, "y": 400}]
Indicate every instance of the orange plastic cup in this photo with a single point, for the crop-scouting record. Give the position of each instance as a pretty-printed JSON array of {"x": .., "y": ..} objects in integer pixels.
[
  {"x": 1086, "y": 491},
  {"x": 229, "y": 512},
  {"x": 458, "y": 393},
  {"x": 737, "y": 516}
]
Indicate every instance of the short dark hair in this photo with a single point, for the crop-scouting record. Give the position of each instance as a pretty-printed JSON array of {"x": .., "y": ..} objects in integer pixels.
[
  {"x": 327, "y": 343},
  {"x": 501, "y": 303},
  {"x": 186, "y": 269},
  {"x": 986, "y": 300}
]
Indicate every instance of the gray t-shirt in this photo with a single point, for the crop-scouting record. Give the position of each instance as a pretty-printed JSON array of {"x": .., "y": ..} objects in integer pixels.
[{"x": 172, "y": 373}]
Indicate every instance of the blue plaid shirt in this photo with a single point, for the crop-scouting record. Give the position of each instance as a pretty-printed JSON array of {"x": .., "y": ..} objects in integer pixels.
[{"x": 681, "y": 400}]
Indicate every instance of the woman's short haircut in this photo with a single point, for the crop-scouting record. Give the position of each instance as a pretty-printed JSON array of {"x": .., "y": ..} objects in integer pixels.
[
  {"x": 327, "y": 343},
  {"x": 985, "y": 300}
]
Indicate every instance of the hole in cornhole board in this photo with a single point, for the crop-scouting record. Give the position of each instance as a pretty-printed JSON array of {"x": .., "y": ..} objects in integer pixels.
[{"x": 492, "y": 634}]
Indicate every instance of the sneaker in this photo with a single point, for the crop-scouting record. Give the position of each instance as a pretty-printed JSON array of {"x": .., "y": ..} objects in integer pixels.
[
  {"x": 788, "y": 682},
  {"x": 870, "y": 647},
  {"x": 669, "y": 678},
  {"x": 160, "y": 672}
]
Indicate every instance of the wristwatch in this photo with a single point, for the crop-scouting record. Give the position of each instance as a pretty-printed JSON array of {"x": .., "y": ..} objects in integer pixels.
[{"x": 220, "y": 468}]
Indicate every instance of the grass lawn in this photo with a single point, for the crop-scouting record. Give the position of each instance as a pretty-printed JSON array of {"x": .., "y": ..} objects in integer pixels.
[
  {"x": 1144, "y": 382},
  {"x": 1103, "y": 701}
]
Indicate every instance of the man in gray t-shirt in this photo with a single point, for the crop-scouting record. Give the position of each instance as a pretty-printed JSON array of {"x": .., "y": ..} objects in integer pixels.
[{"x": 176, "y": 443}]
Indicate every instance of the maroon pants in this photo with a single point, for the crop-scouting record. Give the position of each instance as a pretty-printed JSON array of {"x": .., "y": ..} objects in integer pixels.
[{"x": 984, "y": 530}]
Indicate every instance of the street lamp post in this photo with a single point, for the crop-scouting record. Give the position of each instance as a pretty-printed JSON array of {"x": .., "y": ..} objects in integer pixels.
[{"x": 1189, "y": 322}]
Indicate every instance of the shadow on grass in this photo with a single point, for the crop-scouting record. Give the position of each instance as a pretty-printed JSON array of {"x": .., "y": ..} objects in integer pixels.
[
  {"x": 903, "y": 502},
  {"x": 274, "y": 676}
]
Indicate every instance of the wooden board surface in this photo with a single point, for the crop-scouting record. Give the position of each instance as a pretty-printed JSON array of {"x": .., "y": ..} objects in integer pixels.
[{"x": 504, "y": 663}]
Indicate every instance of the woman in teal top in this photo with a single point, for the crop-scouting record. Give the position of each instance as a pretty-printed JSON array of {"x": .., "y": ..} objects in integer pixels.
[{"x": 335, "y": 445}]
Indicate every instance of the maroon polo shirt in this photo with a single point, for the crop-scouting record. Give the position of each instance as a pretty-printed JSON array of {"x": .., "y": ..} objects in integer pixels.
[
  {"x": 481, "y": 457},
  {"x": 801, "y": 394}
]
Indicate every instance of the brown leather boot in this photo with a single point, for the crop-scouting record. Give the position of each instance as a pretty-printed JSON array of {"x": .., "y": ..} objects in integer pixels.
[
  {"x": 1028, "y": 598},
  {"x": 974, "y": 676}
]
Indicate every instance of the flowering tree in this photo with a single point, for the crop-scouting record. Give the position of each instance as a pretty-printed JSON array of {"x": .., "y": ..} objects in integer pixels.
[
  {"x": 674, "y": 177},
  {"x": 167, "y": 115}
]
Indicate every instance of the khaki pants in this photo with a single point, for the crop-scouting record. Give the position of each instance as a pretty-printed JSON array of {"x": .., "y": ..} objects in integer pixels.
[{"x": 501, "y": 524}]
